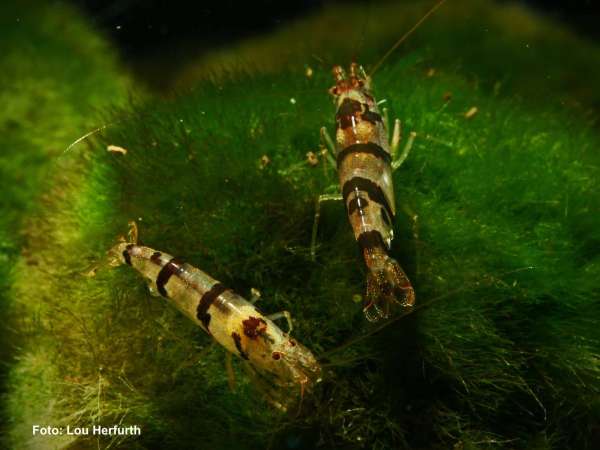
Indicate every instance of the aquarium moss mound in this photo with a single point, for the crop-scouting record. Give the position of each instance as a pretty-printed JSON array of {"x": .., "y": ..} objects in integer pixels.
[
  {"x": 497, "y": 229},
  {"x": 517, "y": 51},
  {"x": 56, "y": 76}
]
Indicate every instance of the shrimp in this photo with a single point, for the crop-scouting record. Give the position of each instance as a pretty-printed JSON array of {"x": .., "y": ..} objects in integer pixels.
[
  {"x": 365, "y": 162},
  {"x": 235, "y": 323}
]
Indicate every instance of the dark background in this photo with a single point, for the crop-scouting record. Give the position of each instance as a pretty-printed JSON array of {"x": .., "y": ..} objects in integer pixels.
[{"x": 143, "y": 28}]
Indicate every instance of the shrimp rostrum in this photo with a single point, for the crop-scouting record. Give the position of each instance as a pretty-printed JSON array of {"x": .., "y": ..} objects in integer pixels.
[
  {"x": 365, "y": 162},
  {"x": 283, "y": 364}
]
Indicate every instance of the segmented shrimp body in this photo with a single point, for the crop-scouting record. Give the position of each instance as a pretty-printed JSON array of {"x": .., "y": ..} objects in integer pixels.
[
  {"x": 365, "y": 176},
  {"x": 231, "y": 320}
]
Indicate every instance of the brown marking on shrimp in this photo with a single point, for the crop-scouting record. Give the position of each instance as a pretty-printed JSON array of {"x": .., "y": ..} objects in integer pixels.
[
  {"x": 238, "y": 344},
  {"x": 254, "y": 327},
  {"x": 126, "y": 256}
]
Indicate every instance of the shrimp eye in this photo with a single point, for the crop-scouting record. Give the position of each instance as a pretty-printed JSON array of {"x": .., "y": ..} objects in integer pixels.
[
  {"x": 276, "y": 356},
  {"x": 292, "y": 343}
]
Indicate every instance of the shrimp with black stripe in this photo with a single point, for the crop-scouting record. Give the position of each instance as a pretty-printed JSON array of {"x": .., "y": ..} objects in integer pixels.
[
  {"x": 235, "y": 323},
  {"x": 365, "y": 162}
]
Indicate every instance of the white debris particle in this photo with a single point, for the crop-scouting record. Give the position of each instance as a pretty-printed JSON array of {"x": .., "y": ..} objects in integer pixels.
[
  {"x": 264, "y": 161},
  {"x": 312, "y": 158},
  {"x": 116, "y": 149},
  {"x": 471, "y": 112}
]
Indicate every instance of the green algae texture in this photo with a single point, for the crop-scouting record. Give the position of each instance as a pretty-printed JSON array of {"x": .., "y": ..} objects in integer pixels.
[
  {"x": 497, "y": 229},
  {"x": 56, "y": 76}
]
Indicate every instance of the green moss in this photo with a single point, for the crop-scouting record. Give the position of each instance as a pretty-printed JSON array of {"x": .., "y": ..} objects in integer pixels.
[
  {"x": 502, "y": 353},
  {"x": 46, "y": 100},
  {"x": 56, "y": 75},
  {"x": 506, "y": 48}
]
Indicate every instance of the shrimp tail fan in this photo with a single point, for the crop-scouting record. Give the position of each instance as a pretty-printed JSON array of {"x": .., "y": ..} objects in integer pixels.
[{"x": 388, "y": 287}]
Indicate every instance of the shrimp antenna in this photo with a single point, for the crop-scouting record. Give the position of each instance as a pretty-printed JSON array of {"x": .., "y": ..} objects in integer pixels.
[
  {"x": 406, "y": 35},
  {"x": 321, "y": 60},
  {"x": 387, "y": 323},
  {"x": 474, "y": 285},
  {"x": 99, "y": 129},
  {"x": 363, "y": 33},
  {"x": 85, "y": 136}
]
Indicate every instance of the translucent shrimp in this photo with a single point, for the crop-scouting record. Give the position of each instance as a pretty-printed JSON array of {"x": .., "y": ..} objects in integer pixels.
[{"x": 282, "y": 362}]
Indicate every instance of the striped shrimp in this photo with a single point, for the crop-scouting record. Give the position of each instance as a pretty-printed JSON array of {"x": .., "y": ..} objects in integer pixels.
[
  {"x": 232, "y": 321},
  {"x": 365, "y": 162}
]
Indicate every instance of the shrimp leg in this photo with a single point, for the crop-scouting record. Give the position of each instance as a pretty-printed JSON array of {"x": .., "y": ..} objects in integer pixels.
[
  {"x": 282, "y": 315},
  {"x": 320, "y": 199},
  {"x": 395, "y": 140},
  {"x": 326, "y": 138},
  {"x": 328, "y": 152},
  {"x": 396, "y": 163},
  {"x": 256, "y": 296}
]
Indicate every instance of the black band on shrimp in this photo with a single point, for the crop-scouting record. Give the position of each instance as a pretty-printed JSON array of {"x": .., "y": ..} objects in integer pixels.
[
  {"x": 373, "y": 190},
  {"x": 173, "y": 267},
  {"x": 206, "y": 301},
  {"x": 349, "y": 107},
  {"x": 370, "y": 240},
  {"x": 372, "y": 117}
]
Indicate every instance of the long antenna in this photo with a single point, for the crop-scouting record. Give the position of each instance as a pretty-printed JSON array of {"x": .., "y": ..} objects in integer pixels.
[
  {"x": 85, "y": 136},
  {"x": 406, "y": 35},
  {"x": 361, "y": 40},
  {"x": 482, "y": 282}
]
